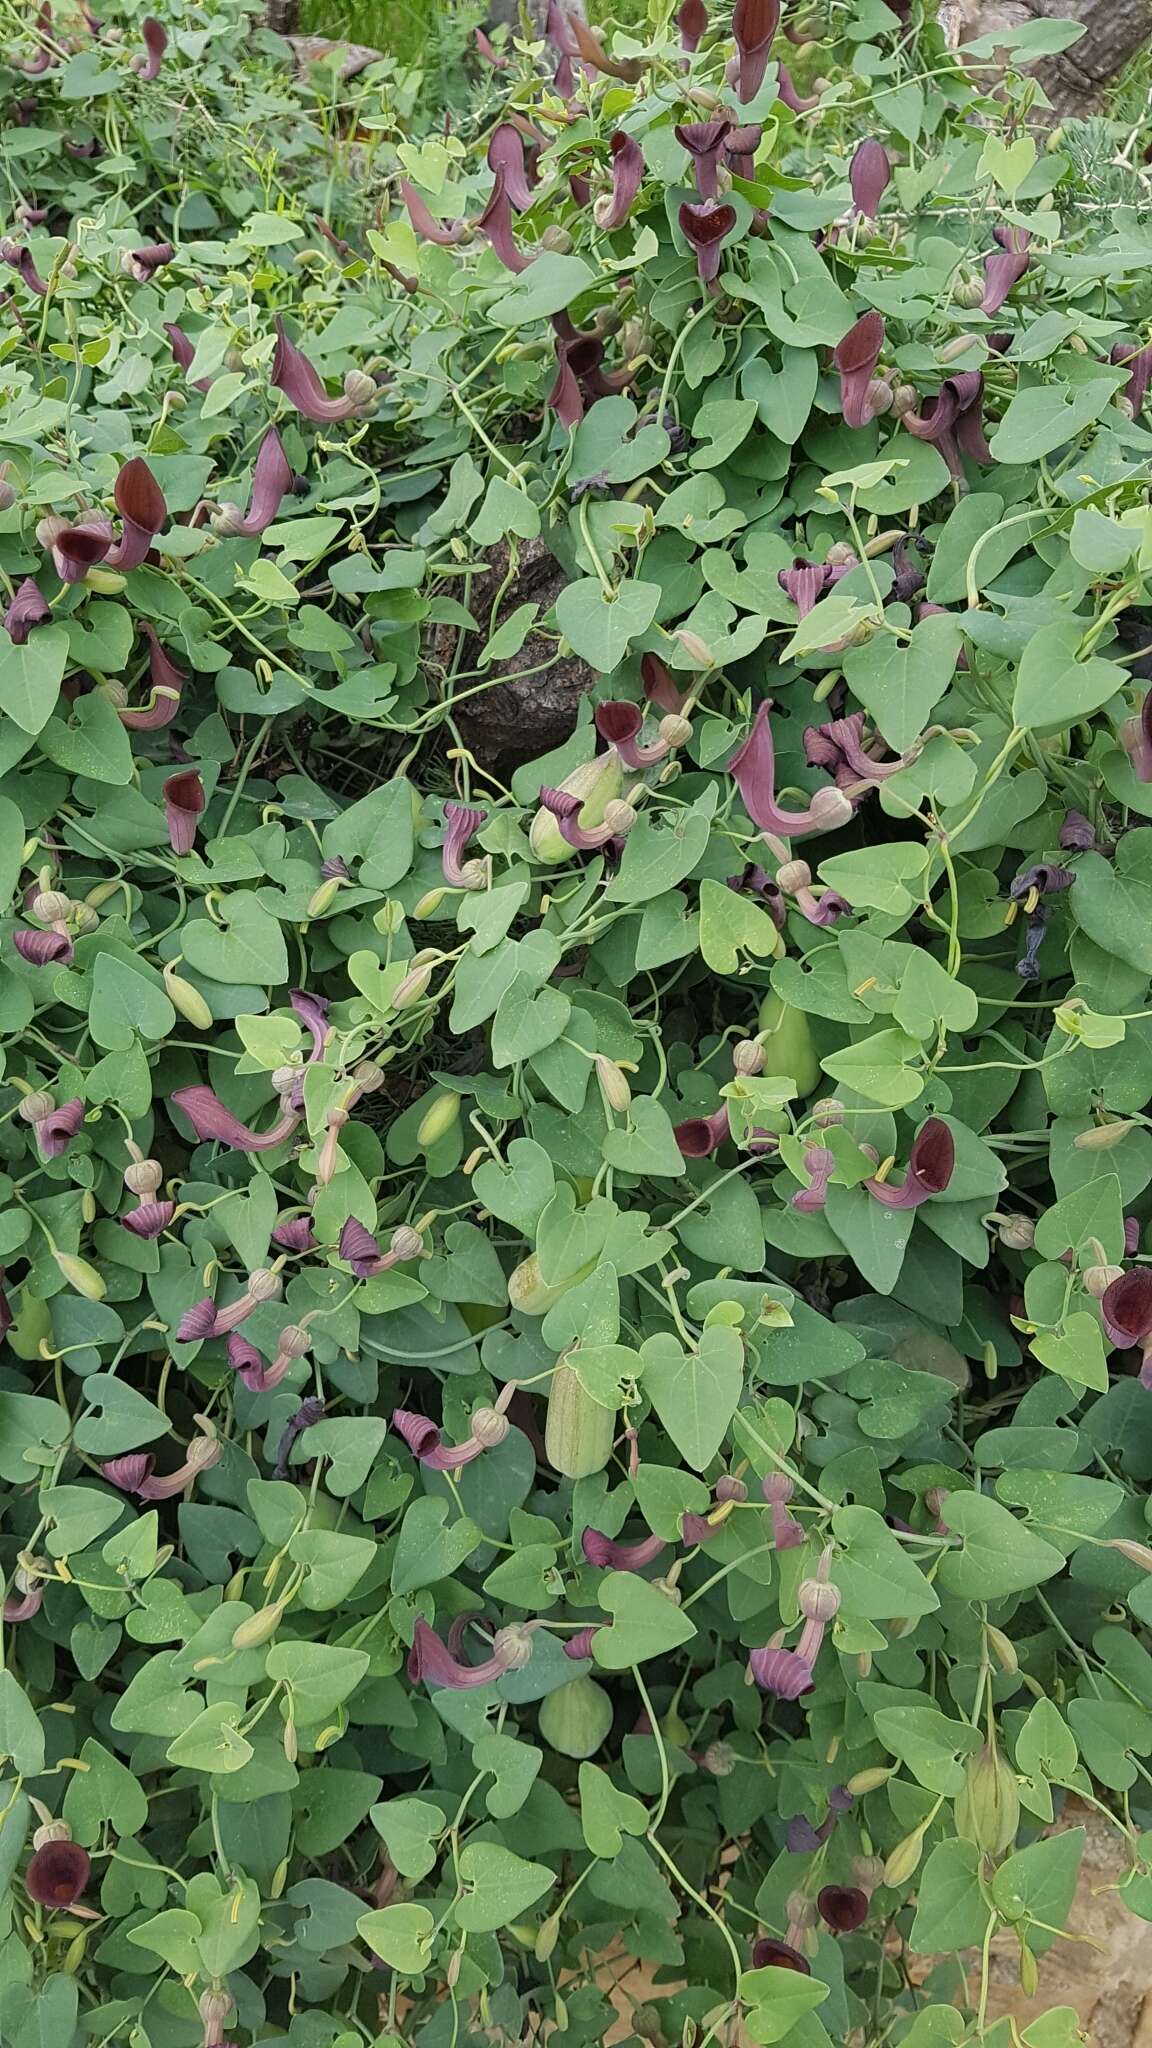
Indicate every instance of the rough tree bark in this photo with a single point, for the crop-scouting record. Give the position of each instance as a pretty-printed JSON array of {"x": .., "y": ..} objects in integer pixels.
[{"x": 1116, "y": 30}]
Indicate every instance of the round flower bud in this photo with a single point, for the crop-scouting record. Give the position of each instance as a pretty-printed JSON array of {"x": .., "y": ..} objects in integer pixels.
[
  {"x": 259, "y": 1627},
  {"x": 879, "y": 396},
  {"x": 868, "y": 1872},
  {"x": 1124, "y": 405},
  {"x": 619, "y": 817},
  {"x": 187, "y": 1000},
  {"x": 794, "y": 876},
  {"x": 967, "y": 291},
  {"x": 728, "y": 1488},
  {"x": 830, "y": 808},
  {"x": 216, "y": 2006},
  {"x": 405, "y": 1243},
  {"x": 294, "y": 1341},
  {"x": 474, "y": 874},
  {"x": 696, "y": 649},
  {"x": 228, "y": 520},
  {"x": 1098, "y": 1279},
  {"x": 83, "y": 918},
  {"x": 905, "y": 399},
  {"x": 513, "y": 1645},
  {"x": 841, "y": 555},
  {"x": 614, "y": 1083},
  {"x": 284, "y": 1079},
  {"x": 35, "y": 1106},
  {"x": 368, "y": 1076},
  {"x": 1016, "y": 1233},
  {"x": 144, "y": 1177},
  {"x": 51, "y": 906},
  {"x": 439, "y": 1118},
  {"x": 826, "y": 1112},
  {"x": 719, "y": 1759},
  {"x": 413, "y": 986},
  {"x": 489, "y": 1427},
  {"x": 557, "y": 239},
  {"x": 675, "y": 731},
  {"x": 203, "y": 1452},
  {"x": 869, "y": 1780},
  {"x": 360, "y": 387},
  {"x": 747, "y": 1057},
  {"x": 51, "y": 1831},
  {"x": 817, "y": 1601},
  {"x": 264, "y": 1285}
]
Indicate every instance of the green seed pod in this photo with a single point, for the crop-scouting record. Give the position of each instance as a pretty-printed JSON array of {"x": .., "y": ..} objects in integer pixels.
[
  {"x": 576, "y": 1718},
  {"x": 259, "y": 1627},
  {"x": 787, "y": 1041},
  {"x": 869, "y": 1780},
  {"x": 988, "y": 1808},
  {"x": 530, "y": 1294},
  {"x": 578, "y": 1433},
  {"x": 437, "y": 1120},
  {"x": 80, "y": 1275},
  {"x": 904, "y": 1861},
  {"x": 548, "y": 1937},
  {"x": 187, "y": 1001}
]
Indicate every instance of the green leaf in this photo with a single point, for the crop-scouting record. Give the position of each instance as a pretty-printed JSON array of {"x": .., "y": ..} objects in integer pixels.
[
  {"x": 173, "y": 1935},
  {"x": 546, "y": 287},
  {"x": 410, "y": 1829},
  {"x": 1054, "y": 687},
  {"x": 731, "y": 925},
  {"x": 1039, "y": 1884},
  {"x": 695, "y": 1392},
  {"x": 1112, "y": 901},
  {"x": 876, "y": 1067},
  {"x": 125, "y": 1002},
  {"x": 401, "y": 1936},
  {"x": 514, "y": 1767},
  {"x": 92, "y": 742},
  {"x": 498, "y": 1887},
  {"x": 30, "y": 676},
  {"x": 212, "y": 1742},
  {"x": 878, "y": 1580},
  {"x": 779, "y": 1999},
  {"x": 929, "y": 1743},
  {"x": 999, "y": 1554},
  {"x": 645, "y": 1143},
  {"x": 606, "y": 1814},
  {"x": 662, "y": 851},
  {"x": 427, "y": 1550},
  {"x": 1075, "y": 1351},
  {"x": 899, "y": 685},
  {"x": 950, "y": 1909},
  {"x": 645, "y": 1623},
  {"x": 527, "y": 1019},
  {"x": 21, "y": 1736},
  {"x": 1041, "y": 418},
  {"x": 600, "y": 629},
  {"x": 247, "y": 947}
]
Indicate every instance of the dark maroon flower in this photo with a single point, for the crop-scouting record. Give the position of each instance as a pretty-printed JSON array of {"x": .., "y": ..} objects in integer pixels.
[
  {"x": 930, "y": 1167},
  {"x": 495, "y": 224},
  {"x": 564, "y": 399},
  {"x": 705, "y": 142},
  {"x": 580, "y": 1644},
  {"x": 557, "y": 30},
  {"x": 781, "y": 1672},
  {"x": 1077, "y": 834},
  {"x": 597, "y": 58},
  {"x": 19, "y": 258},
  {"x": 183, "y": 353},
  {"x": 140, "y": 503},
  {"x": 1126, "y": 1308},
  {"x": 27, "y": 610},
  {"x": 489, "y": 55},
  {"x": 78, "y": 548},
  {"x": 57, "y": 1875},
  {"x": 770, "y": 1954},
  {"x": 820, "y": 1164},
  {"x": 704, "y": 228},
  {"x": 298, "y": 379},
  {"x": 55, "y": 1132},
  {"x": 272, "y": 480},
  {"x": 1006, "y": 267},
  {"x": 1136, "y": 740},
  {"x": 167, "y": 681},
  {"x": 659, "y": 687},
  {"x": 799, "y": 103},
  {"x": 211, "y": 1120},
  {"x": 86, "y": 151},
  {"x": 842, "y": 1907},
  {"x": 585, "y": 356},
  {"x": 699, "y": 1136},
  {"x": 908, "y": 577},
  {"x": 426, "y": 1443},
  {"x": 692, "y": 22},
  {"x": 150, "y": 1219},
  {"x": 184, "y": 800},
  {"x": 806, "y": 582},
  {"x": 855, "y": 357},
  {"x": 128, "y": 1472},
  {"x": 754, "y": 24},
  {"x": 753, "y": 768},
  {"x": 506, "y": 154},
  {"x": 612, "y": 209},
  {"x": 1138, "y": 363},
  {"x": 869, "y": 174},
  {"x": 313, "y": 1014},
  {"x": 43, "y": 949},
  {"x": 359, "y": 1247},
  {"x": 839, "y": 746},
  {"x": 621, "y": 723},
  {"x": 295, "y": 1234},
  {"x": 308, "y": 1414},
  {"x": 620, "y": 1557},
  {"x": 249, "y": 1365},
  {"x": 430, "y": 1660},
  {"x": 462, "y": 820},
  {"x": 142, "y": 264},
  {"x": 155, "y": 43},
  {"x": 954, "y": 419},
  {"x": 1045, "y": 877},
  {"x": 566, "y": 808},
  {"x": 740, "y": 148}
]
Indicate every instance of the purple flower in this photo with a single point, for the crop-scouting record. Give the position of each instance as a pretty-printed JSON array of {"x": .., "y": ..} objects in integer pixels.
[
  {"x": 313, "y": 1014},
  {"x": 18, "y": 258},
  {"x": 699, "y": 1136},
  {"x": 462, "y": 820},
  {"x": 1138, "y": 363},
  {"x": 1077, "y": 834},
  {"x": 155, "y": 43},
  {"x": 143, "y": 264},
  {"x": 869, "y": 174},
  {"x": 753, "y": 768},
  {"x": 754, "y": 23},
  {"x": 295, "y": 1234},
  {"x": 55, "y": 1132},
  {"x": 619, "y": 817},
  {"x": 705, "y": 141},
  {"x": 272, "y": 480},
  {"x": 780, "y": 1672},
  {"x": 425, "y": 224},
  {"x": 247, "y": 1363},
  {"x": 1131, "y": 1235},
  {"x": 489, "y": 55},
  {"x": 1126, "y": 1308},
  {"x": 1004, "y": 268},
  {"x": 704, "y": 228},
  {"x": 557, "y": 30},
  {"x": 133, "y": 1473},
  {"x": 430, "y": 1660},
  {"x": 57, "y": 1875},
  {"x": 799, "y": 103},
  {"x": 820, "y": 1163},
  {"x": 27, "y": 610},
  {"x": 198, "y": 1322},
  {"x": 612, "y": 209},
  {"x": 855, "y": 357},
  {"x": 659, "y": 687},
  {"x": 211, "y": 1120},
  {"x": 167, "y": 681},
  {"x": 802, "y": 1839},
  {"x": 839, "y": 745},
  {"x": 183, "y": 353},
  {"x": 184, "y": 800},
  {"x": 770, "y": 1954},
  {"x": 25, "y": 1599},
  {"x": 930, "y": 1167},
  {"x": 692, "y": 22},
  {"x": 359, "y": 1248},
  {"x": 495, "y": 224},
  {"x": 805, "y": 583},
  {"x": 308, "y": 1414},
  {"x": 1136, "y": 740},
  {"x": 620, "y": 1557},
  {"x": 954, "y": 419},
  {"x": 506, "y": 154},
  {"x": 620, "y": 724},
  {"x": 426, "y": 1443},
  {"x": 150, "y": 1219},
  {"x": 579, "y": 1645},
  {"x": 1044, "y": 877},
  {"x": 842, "y": 1907},
  {"x": 787, "y": 1532},
  {"x": 78, "y": 548},
  {"x": 140, "y": 503},
  {"x": 298, "y": 379},
  {"x": 43, "y": 949},
  {"x": 596, "y": 57},
  {"x": 565, "y": 398}
]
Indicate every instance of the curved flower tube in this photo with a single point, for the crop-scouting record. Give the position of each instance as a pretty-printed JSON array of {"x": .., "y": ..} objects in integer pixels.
[
  {"x": 183, "y": 354},
  {"x": 780, "y": 1672},
  {"x": 954, "y": 419},
  {"x": 17, "y": 257},
  {"x": 796, "y": 102},
  {"x": 777, "y": 1488},
  {"x": 184, "y": 800},
  {"x": 692, "y": 22},
  {"x": 753, "y": 768},
  {"x": 295, "y": 1234},
  {"x": 754, "y": 24},
  {"x": 490, "y": 56},
  {"x": 704, "y": 228},
  {"x": 431, "y": 1660},
  {"x": 597, "y": 58},
  {"x": 699, "y": 1136},
  {"x": 855, "y": 357},
  {"x": 931, "y": 1163},
  {"x": 155, "y": 37},
  {"x": 620, "y": 1557},
  {"x": 462, "y": 821},
  {"x": 272, "y": 480},
  {"x": 806, "y": 582},
  {"x": 1005, "y": 267},
  {"x": 300, "y": 381},
  {"x": 308, "y": 1414},
  {"x": 579, "y": 1645},
  {"x": 362, "y": 1251},
  {"x": 506, "y": 154},
  {"x": 211, "y": 1120},
  {"x": 167, "y": 683},
  {"x": 77, "y": 548},
  {"x": 1136, "y": 740},
  {"x": 25, "y": 1599},
  {"x": 620, "y": 723},
  {"x": 27, "y": 610},
  {"x": 43, "y": 949},
  {"x": 313, "y": 1014},
  {"x": 869, "y": 175},
  {"x": 495, "y": 224},
  {"x": 1138, "y": 363},
  {"x": 740, "y": 149},
  {"x": 820, "y": 1163},
  {"x": 142, "y": 264},
  {"x": 839, "y": 745},
  {"x": 611, "y": 210},
  {"x": 140, "y": 503},
  {"x": 55, "y": 1132},
  {"x": 565, "y": 399},
  {"x": 705, "y": 142},
  {"x": 133, "y": 1473},
  {"x": 659, "y": 687},
  {"x": 619, "y": 819}
]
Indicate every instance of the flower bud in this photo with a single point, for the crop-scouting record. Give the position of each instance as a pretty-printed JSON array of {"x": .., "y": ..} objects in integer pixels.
[
  {"x": 83, "y": 918},
  {"x": 1016, "y": 1233},
  {"x": 747, "y": 1057},
  {"x": 1136, "y": 1553},
  {"x": 368, "y": 1076},
  {"x": 675, "y": 731},
  {"x": 405, "y": 1243},
  {"x": 428, "y": 904},
  {"x": 967, "y": 291},
  {"x": 613, "y": 1083},
  {"x": 1002, "y": 1649},
  {"x": 294, "y": 1341},
  {"x": 80, "y": 1275},
  {"x": 905, "y": 399},
  {"x": 88, "y": 1206},
  {"x": 557, "y": 239},
  {"x": 719, "y": 1759},
  {"x": 109, "y": 582},
  {"x": 514, "y": 1645},
  {"x": 187, "y": 1001},
  {"x": 794, "y": 876},
  {"x": 904, "y": 1861},
  {"x": 35, "y": 1106},
  {"x": 323, "y": 897},
  {"x": 202, "y": 1453},
  {"x": 264, "y": 1285},
  {"x": 1124, "y": 405},
  {"x": 879, "y": 396},
  {"x": 144, "y": 1177},
  {"x": 1098, "y": 1279},
  {"x": 490, "y": 1427},
  {"x": 988, "y": 1807},
  {"x": 619, "y": 817},
  {"x": 818, "y": 1601},
  {"x": 869, "y": 1780},
  {"x": 51, "y": 1831},
  {"x": 548, "y": 1936},
  {"x": 51, "y": 906},
  {"x": 228, "y": 520},
  {"x": 216, "y": 2006},
  {"x": 697, "y": 650},
  {"x": 414, "y": 984},
  {"x": 830, "y": 807},
  {"x": 826, "y": 1112},
  {"x": 438, "y": 1119},
  {"x": 1102, "y": 1137},
  {"x": 259, "y": 1628},
  {"x": 360, "y": 387}
]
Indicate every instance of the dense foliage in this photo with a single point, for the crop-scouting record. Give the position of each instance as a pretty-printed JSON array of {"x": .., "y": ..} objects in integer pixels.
[{"x": 575, "y": 1005}]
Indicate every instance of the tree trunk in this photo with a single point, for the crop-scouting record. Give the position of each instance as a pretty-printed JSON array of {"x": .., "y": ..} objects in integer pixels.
[
  {"x": 283, "y": 16},
  {"x": 1076, "y": 80}
]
